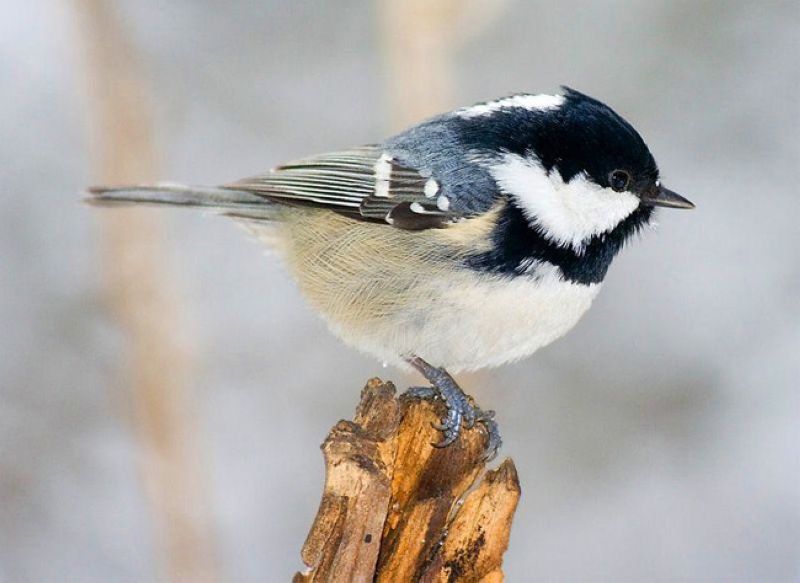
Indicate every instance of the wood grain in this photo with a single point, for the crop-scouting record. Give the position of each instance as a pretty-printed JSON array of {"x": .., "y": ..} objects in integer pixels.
[{"x": 395, "y": 508}]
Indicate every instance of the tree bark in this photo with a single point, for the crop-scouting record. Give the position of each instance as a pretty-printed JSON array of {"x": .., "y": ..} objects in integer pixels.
[{"x": 395, "y": 508}]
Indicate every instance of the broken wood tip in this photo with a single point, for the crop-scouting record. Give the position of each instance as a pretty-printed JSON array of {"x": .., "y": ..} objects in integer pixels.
[{"x": 395, "y": 508}]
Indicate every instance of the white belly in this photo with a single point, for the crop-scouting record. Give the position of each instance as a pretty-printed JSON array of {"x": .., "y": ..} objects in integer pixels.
[
  {"x": 393, "y": 293},
  {"x": 471, "y": 321}
]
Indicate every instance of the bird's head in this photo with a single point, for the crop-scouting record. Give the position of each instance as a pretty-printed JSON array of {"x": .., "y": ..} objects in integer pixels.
[{"x": 573, "y": 166}]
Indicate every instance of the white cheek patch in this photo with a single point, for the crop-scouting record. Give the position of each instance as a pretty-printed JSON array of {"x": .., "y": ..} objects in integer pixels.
[{"x": 568, "y": 213}]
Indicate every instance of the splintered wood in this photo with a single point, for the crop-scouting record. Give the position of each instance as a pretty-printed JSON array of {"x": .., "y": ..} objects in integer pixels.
[{"x": 394, "y": 508}]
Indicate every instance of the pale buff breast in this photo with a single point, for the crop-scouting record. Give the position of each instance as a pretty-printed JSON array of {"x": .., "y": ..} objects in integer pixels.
[{"x": 391, "y": 293}]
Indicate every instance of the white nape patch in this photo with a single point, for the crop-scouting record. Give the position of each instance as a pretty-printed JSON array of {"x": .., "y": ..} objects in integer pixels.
[
  {"x": 431, "y": 188},
  {"x": 383, "y": 173},
  {"x": 443, "y": 203},
  {"x": 531, "y": 102},
  {"x": 568, "y": 213}
]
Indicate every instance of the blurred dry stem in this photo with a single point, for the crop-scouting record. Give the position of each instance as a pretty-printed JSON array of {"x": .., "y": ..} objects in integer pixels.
[
  {"x": 144, "y": 299},
  {"x": 420, "y": 39},
  {"x": 418, "y": 44},
  {"x": 395, "y": 508}
]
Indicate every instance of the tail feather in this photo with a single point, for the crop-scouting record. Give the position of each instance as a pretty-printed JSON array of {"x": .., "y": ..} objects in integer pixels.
[{"x": 223, "y": 200}]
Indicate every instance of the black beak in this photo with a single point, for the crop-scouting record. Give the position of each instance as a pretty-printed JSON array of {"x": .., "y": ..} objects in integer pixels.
[{"x": 660, "y": 196}]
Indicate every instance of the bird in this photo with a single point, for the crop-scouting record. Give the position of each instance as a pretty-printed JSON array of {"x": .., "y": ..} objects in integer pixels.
[{"x": 467, "y": 241}]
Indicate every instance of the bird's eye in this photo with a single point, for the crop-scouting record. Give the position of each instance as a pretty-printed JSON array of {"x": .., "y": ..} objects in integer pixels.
[{"x": 619, "y": 180}]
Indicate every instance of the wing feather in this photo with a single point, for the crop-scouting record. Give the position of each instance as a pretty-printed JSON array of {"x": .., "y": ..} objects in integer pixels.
[{"x": 363, "y": 182}]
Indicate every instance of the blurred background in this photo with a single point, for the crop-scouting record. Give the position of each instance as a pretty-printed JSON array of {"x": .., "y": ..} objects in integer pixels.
[{"x": 164, "y": 390}]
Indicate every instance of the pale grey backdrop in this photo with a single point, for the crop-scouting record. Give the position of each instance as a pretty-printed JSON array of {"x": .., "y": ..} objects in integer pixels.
[{"x": 659, "y": 441}]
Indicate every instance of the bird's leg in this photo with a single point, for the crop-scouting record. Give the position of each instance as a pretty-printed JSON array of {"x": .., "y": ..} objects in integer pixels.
[{"x": 461, "y": 408}]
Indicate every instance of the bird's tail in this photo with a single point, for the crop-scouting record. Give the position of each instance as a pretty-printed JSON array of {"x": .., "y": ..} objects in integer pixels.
[{"x": 235, "y": 203}]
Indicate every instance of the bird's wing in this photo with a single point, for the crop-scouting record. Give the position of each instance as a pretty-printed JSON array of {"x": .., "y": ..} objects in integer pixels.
[{"x": 366, "y": 183}]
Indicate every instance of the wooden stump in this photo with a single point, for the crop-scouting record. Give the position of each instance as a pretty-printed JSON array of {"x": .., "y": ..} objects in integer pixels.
[{"x": 395, "y": 508}]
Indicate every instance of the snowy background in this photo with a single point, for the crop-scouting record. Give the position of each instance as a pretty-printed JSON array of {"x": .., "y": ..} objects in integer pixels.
[{"x": 659, "y": 441}]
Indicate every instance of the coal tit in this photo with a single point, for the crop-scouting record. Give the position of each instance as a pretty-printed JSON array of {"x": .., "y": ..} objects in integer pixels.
[{"x": 467, "y": 241}]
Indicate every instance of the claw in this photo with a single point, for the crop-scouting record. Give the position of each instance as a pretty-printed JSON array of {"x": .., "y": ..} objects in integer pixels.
[
  {"x": 494, "y": 441},
  {"x": 441, "y": 426},
  {"x": 448, "y": 439},
  {"x": 450, "y": 422},
  {"x": 461, "y": 409}
]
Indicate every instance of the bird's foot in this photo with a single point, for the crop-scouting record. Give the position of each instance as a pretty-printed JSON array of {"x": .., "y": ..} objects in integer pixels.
[{"x": 461, "y": 408}]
